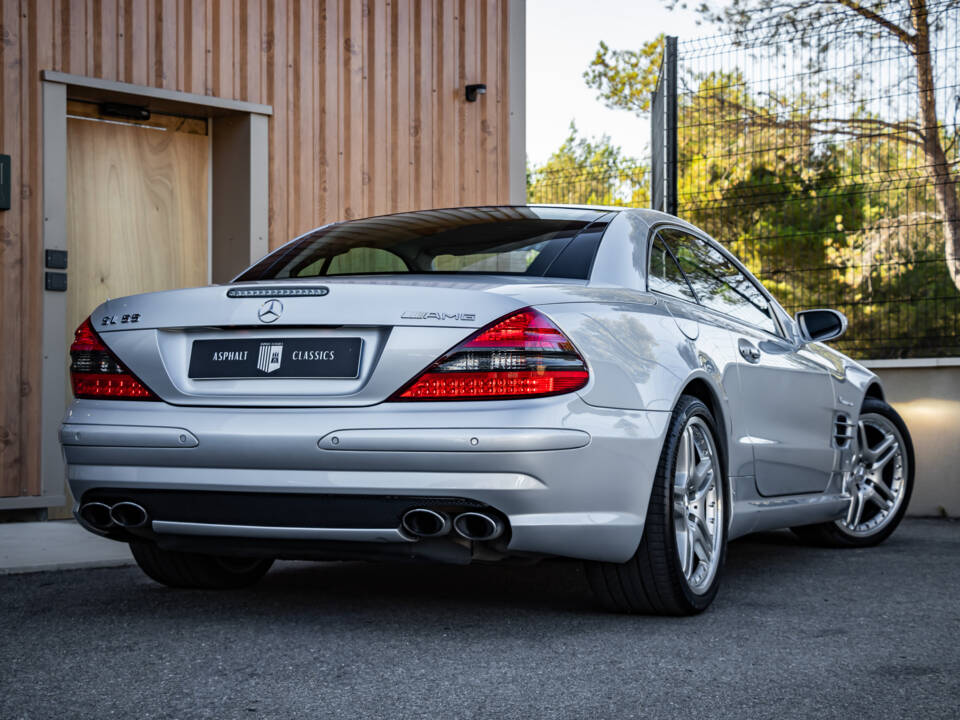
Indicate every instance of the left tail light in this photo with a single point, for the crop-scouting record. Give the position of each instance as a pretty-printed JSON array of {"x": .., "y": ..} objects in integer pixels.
[
  {"x": 97, "y": 373},
  {"x": 521, "y": 355}
]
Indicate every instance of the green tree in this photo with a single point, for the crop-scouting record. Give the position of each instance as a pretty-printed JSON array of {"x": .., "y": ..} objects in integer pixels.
[
  {"x": 624, "y": 79},
  {"x": 590, "y": 171}
]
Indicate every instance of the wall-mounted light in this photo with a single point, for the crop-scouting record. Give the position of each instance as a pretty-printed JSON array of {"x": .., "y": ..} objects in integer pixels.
[
  {"x": 474, "y": 90},
  {"x": 131, "y": 112}
]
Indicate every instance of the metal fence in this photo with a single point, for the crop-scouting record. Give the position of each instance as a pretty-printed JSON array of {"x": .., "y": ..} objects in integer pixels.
[{"x": 806, "y": 159}]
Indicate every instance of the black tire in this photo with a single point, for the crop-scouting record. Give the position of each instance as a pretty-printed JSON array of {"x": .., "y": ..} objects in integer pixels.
[
  {"x": 190, "y": 570},
  {"x": 830, "y": 534},
  {"x": 652, "y": 582}
]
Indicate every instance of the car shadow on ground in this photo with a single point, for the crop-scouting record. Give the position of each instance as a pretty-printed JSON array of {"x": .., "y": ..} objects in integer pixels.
[{"x": 557, "y": 585}]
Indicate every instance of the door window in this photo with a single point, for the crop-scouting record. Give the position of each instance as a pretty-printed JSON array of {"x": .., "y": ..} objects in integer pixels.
[
  {"x": 717, "y": 282},
  {"x": 664, "y": 275}
]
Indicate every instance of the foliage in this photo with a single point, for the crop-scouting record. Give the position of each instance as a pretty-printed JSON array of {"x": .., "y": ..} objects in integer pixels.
[
  {"x": 823, "y": 221},
  {"x": 809, "y": 218},
  {"x": 827, "y": 209},
  {"x": 625, "y": 79},
  {"x": 588, "y": 171}
]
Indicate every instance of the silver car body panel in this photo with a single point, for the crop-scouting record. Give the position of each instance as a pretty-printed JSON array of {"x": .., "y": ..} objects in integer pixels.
[{"x": 572, "y": 473}]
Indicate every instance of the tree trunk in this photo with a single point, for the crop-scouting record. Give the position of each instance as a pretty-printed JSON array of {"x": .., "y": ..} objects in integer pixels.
[{"x": 944, "y": 182}]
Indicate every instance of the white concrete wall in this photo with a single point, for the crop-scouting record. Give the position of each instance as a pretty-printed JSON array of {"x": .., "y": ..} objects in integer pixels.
[{"x": 927, "y": 395}]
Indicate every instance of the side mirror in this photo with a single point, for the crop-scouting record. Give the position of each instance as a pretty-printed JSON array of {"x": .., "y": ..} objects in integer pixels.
[{"x": 821, "y": 325}]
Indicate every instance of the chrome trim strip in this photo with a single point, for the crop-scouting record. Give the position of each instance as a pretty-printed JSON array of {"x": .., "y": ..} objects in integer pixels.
[{"x": 384, "y": 535}]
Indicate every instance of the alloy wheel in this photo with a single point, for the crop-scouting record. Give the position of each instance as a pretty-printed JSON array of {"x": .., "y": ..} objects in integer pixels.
[
  {"x": 698, "y": 505},
  {"x": 877, "y": 484}
]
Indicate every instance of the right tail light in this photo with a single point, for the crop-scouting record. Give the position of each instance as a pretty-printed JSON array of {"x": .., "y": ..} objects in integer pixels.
[{"x": 521, "y": 355}]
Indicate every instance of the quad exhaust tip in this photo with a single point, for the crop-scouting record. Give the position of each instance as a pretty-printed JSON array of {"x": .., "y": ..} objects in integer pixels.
[
  {"x": 128, "y": 515},
  {"x": 478, "y": 526},
  {"x": 426, "y": 523},
  {"x": 96, "y": 514}
]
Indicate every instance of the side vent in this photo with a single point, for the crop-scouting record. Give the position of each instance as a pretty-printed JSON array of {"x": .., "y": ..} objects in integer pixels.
[{"x": 843, "y": 431}]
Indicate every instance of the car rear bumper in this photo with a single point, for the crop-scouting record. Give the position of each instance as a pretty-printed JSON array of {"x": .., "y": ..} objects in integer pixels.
[{"x": 569, "y": 479}]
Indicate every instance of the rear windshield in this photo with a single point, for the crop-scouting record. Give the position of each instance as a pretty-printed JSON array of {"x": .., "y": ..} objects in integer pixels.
[{"x": 537, "y": 242}]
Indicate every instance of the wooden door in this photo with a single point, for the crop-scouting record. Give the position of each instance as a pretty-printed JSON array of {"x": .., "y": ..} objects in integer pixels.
[{"x": 137, "y": 217}]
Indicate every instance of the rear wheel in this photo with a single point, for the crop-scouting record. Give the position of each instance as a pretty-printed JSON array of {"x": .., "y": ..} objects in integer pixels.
[
  {"x": 676, "y": 569},
  {"x": 191, "y": 570},
  {"x": 880, "y": 484}
]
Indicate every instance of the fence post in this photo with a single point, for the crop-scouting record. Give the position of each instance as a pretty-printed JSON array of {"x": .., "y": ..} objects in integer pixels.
[{"x": 663, "y": 126}]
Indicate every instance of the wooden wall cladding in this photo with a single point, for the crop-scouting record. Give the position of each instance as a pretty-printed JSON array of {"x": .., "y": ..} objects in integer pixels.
[{"x": 369, "y": 117}]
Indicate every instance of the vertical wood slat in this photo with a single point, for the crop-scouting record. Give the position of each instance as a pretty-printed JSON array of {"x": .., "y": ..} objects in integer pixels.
[
  {"x": 167, "y": 57},
  {"x": 351, "y": 108},
  {"x": 400, "y": 84},
  {"x": 11, "y": 254},
  {"x": 489, "y": 125},
  {"x": 104, "y": 27},
  {"x": 502, "y": 95},
  {"x": 369, "y": 117},
  {"x": 424, "y": 104},
  {"x": 470, "y": 113},
  {"x": 329, "y": 160},
  {"x": 31, "y": 297},
  {"x": 75, "y": 29},
  {"x": 377, "y": 110},
  {"x": 138, "y": 44}
]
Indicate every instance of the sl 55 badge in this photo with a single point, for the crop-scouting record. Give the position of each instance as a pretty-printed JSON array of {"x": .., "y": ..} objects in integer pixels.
[{"x": 120, "y": 319}]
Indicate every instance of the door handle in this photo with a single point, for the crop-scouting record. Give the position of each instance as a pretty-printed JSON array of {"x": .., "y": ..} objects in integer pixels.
[{"x": 750, "y": 352}]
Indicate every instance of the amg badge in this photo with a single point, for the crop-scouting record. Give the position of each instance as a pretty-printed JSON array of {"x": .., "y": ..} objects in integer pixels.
[{"x": 415, "y": 315}]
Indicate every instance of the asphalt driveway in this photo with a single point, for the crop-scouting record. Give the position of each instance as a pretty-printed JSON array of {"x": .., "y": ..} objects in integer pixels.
[{"x": 795, "y": 632}]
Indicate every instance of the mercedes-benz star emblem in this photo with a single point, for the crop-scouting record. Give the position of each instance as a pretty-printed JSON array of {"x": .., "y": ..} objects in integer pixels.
[{"x": 270, "y": 311}]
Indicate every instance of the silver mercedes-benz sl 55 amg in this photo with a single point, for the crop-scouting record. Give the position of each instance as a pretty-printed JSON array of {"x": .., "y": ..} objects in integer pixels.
[{"x": 478, "y": 384}]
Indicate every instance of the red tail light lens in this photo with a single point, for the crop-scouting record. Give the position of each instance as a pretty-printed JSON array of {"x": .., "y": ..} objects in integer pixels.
[
  {"x": 521, "y": 355},
  {"x": 97, "y": 373}
]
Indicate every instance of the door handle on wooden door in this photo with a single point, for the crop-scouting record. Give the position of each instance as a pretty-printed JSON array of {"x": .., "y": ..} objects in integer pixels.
[{"x": 750, "y": 352}]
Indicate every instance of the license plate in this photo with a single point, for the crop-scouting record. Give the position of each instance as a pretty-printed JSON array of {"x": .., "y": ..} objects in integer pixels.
[{"x": 276, "y": 358}]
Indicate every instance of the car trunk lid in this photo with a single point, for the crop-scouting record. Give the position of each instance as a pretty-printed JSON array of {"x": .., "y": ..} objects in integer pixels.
[{"x": 261, "y": 343}]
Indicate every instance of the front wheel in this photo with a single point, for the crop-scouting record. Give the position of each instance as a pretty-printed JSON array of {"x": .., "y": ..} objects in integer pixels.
[
  {"x": 676, "y": 569},
  {"x": 192, "y": 570},
  {"x": 880, "y": 483}
]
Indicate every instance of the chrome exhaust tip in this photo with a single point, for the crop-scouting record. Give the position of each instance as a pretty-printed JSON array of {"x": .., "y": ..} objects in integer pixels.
[
  {"x": 96, "y": 514},
  {"x": 478, "y": 526},
  {"x": 128, "y": 515},
  {"x": 425, "y": 523}
]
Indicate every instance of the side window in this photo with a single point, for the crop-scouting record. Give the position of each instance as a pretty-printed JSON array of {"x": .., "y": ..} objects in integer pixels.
[
  {"x": 718, "y": 283},
  {"x": 664, "y": 276}
]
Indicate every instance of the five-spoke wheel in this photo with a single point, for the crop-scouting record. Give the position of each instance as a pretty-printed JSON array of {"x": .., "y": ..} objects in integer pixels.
[
  {"x": 879, "y": 483},
  {"x": 697, "y": 505},
  {"x": 676, "y": 569}
]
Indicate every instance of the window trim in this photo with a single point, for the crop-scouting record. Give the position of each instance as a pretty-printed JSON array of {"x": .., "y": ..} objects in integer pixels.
[
  {"x": 650, "y": 244},
  {"x": 710, "y": 242}
]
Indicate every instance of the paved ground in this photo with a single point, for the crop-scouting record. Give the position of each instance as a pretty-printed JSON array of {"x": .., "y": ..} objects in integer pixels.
[
  {"x": 55, "y": 545},
  {"x": 796, "y": 632}
]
